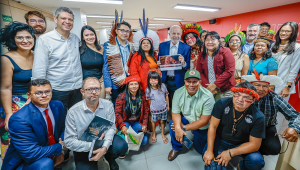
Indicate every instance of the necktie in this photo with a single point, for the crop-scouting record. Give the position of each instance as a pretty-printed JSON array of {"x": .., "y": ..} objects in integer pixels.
[{"x": 51, "y": 139}]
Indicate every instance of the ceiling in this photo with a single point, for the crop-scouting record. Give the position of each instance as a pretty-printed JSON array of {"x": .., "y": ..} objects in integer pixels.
[{"x": 133, "y": 9}]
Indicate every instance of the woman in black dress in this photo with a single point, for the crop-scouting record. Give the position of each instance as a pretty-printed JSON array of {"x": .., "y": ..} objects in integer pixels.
[{"x": 91, "y": 56}]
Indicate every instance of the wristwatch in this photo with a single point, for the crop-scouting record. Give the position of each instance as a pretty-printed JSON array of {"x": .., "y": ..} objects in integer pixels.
[
  {"x": 184, "y": 128},
  {"x": 289, "y": 86}
]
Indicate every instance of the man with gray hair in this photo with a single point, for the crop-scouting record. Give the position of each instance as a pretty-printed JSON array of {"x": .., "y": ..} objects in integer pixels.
[
  {"x": 57, "y": 59},
  {"x": 252, "y": 33},
  {"x": 174, "y": 79}
]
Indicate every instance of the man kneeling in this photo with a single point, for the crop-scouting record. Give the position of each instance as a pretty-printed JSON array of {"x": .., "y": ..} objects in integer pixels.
[
  {"x": 78, "y": 119},
  {"x": 236, "y": 128},
  {"x": 195, "y": 104}
]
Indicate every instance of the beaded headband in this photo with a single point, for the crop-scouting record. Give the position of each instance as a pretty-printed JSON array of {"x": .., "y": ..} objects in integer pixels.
[
  {"x": 245, "y": 90},
  {"x": 262, "y": 40},
  {"x": 155, "y": 70}
]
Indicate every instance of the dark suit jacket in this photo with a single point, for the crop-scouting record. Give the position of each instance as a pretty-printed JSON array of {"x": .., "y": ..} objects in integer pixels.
[
  {"x": 29, "y": 135},
  {"x": 185, "y": 51}
]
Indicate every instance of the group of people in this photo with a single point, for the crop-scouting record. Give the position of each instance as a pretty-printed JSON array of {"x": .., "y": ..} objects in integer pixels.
[{"x": 228, "y": 91}]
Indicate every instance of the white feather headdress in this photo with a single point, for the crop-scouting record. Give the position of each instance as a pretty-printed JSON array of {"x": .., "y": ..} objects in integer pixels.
[{"x": 255, "y": 77}]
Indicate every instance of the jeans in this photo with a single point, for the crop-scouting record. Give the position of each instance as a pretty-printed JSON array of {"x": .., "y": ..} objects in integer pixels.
[
  {"x": 118, "y": 148},
  {"x": 68, "y": 98},
  {"x": 200, "y": 138},
  {"x": 171, "y": 87},
  {"x": 135, "y": 126},
  {"x": 41, "y": 164},
  {"x": 270, "y": 145},
  {"x": 251, "y": 161},
  {"x": 115, "y": 93}
]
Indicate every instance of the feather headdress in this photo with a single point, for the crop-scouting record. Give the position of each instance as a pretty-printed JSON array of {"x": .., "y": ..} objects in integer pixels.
[
  {"x": 113, "y": 35},
  {"x": 270, "y": 79},
  {"x": 145, "y": 33},
  {"x": 236, "y": 32},
  {"x": 190, "y": 28}
]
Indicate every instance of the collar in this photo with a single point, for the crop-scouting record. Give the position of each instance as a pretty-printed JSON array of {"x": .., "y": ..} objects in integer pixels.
[
  {"x": 42, "y": 110},
  {"x": 196, "y": 95},
  {"x": 120, "y": 43},
  {"x": 171, "y": 44},
  {"x": 62, "y": 37},
  {"x": 86, "y": 108}
]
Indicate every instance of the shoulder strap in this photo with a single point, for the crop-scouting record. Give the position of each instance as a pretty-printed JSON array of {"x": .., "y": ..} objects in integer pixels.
[{"x": 16, "y": 67}]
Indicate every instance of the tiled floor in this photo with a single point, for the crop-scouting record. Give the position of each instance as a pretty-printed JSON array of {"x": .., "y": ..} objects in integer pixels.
[{"x": 154, "y": 156}]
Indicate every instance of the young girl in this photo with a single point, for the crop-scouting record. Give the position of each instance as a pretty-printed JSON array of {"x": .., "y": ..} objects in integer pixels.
[{"x": 157, "y": 96}]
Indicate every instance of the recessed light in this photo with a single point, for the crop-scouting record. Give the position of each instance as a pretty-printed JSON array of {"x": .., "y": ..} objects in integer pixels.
[
  {"x": 157, "y": 24},
  {"x": 104, "y": 22},
  {"x": 167, "y": 19},
  {"x": 195, "y": 7},
  {"x": 99, "y": 1}
]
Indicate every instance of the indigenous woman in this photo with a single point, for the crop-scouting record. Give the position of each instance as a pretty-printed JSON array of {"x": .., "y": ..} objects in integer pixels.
[
  {"x": 261, "y": 58},
  {"x": 145, "y": 42},
  {"x": 190, "y": 36},
  {"x": 286, "y": 52},
  {"x": 91, "y": 56},
  {"x": 132, "y": 108},
  {"x": 16, "y": 71},
  {"x": 235, "y": 39},
  {"x": 216, "y": 67}
]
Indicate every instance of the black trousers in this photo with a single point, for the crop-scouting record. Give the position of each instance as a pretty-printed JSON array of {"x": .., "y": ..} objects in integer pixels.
[
  {"x": 118, "y": 148},
  {"x": 271, "y": 144},
  {"x": 68, "y": 98},
  {"x": 115, "y": 93},
  {"x": 171, "y": 87}
]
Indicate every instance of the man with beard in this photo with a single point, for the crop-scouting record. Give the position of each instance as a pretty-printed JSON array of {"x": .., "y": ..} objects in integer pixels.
[
  {"x": 236, "y": 129},
  {"x": 252, "y": 33},
  {"x": 78, "y": 119},
  {"x": 37, "y": 20},
  {"x": 174, "y": 79},
  {"x": 192, "y": 106},
  {"x": 270, "y": 104}
]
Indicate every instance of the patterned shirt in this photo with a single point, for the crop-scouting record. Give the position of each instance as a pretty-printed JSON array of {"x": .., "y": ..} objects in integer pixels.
[
  {"x": 271, "y": 104},
  {"x": 211, "y": 71}
]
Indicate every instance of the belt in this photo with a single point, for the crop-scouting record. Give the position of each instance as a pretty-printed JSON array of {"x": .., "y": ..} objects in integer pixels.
[{"x": 171, "y": 77}]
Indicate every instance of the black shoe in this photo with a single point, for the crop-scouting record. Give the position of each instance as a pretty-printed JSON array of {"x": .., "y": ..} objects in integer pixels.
[
  {"x": 113, "y": 164},
  {"x": 67, "y": 156}
]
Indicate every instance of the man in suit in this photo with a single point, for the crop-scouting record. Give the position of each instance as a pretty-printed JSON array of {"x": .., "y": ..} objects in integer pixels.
[
  {"x": 36, "y": 131},
  {"x": 174, "y": 79}
]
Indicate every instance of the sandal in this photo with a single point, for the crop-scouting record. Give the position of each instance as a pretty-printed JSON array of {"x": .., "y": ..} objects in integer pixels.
[
  {"x": 165, "y": 140},
  {"x": 153, "y": 140}
]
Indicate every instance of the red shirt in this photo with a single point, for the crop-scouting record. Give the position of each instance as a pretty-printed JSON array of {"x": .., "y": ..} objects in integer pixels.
[{"x": 224, "y": 67}]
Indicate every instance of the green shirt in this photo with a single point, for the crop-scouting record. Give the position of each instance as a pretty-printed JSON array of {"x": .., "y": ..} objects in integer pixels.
[{"x": 202, "y": 103}]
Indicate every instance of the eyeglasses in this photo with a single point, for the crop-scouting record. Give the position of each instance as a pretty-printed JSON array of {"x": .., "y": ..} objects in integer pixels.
[
  {"x": 285, "y": 31},
  {"x": 234, "y": 42},
  {"x": 210, "y": 40},
  {"x": 21, "y": 39},
  {"x": 124, "y": 31},
  {"x": 192, "y": 83},
  {"x": 90, "y": 90},
  {"x": 33, "y": 21},
  {"x": 41, "y": 93},
  {"x": 246, "y": 99}
]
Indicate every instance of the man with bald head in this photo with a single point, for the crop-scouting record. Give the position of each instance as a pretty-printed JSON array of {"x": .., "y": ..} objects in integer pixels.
[{"x": 174, "y": 79}]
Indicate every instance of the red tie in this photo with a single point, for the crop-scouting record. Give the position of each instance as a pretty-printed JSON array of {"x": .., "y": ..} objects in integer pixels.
[{"x": 50, "y": 129}]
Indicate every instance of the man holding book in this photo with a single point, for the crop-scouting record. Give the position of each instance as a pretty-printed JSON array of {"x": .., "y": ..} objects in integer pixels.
[{"x": 79, "y": 118}]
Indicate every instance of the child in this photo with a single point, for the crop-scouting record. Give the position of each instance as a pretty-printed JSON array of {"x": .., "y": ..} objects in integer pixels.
[{"x": 157, "y": 96}]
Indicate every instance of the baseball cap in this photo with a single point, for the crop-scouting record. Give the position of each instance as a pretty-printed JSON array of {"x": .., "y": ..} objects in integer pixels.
[{"x": 192, "y": 74}]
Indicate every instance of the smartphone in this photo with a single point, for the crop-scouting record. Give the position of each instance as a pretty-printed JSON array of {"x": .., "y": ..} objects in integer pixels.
[{"x": 187, "y": 142}]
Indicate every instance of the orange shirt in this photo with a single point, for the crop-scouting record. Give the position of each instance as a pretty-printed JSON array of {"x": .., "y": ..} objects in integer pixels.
[{"x": 152, "y": 63}]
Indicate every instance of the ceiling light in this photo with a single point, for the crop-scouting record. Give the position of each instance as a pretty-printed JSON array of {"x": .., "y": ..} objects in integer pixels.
[
  {"x": 104, "y": 22},
  {"x": 156, "y": 24},
  {"x": 168, "y": 19},
  {"x": 99, "y": 16},
  {"x": 195, "y": 7},
  {"x": 106, "y": 26},
  {"x": 99, "y": 1},
  {"x": 151, "y": 27}
]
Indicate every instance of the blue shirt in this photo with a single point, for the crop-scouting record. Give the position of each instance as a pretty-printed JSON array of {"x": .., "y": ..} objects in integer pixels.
[
  {"x": 246, "y": 48},
  {"x": 42, "y": 110},
  {"x": 263, "y": 66}
]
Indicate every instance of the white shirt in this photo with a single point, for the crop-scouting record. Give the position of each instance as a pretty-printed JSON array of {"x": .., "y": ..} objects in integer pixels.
[
  {"x": 58, "y": 60},
  {"x": 42, "y": 110},
  {"x": 173, "y": 51}
]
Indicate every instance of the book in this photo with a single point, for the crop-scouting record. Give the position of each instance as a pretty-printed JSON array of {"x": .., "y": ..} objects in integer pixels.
[
  {"x": 170, "y": 62},
  {"x": 96, "y": 144},
  {"x": 97, "y": 126}
]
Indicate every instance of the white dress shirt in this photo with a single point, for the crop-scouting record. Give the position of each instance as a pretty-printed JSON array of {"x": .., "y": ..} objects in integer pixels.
[
  {"x": 42, "y": 110},
  {"x": 58, "y": 60},
  {"x": 78, "y": 119},
  {"x": 173, "y": 51}
]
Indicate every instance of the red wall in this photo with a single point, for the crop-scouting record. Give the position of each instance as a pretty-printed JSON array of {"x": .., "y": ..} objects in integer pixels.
[{"x": 274, "y": 16}]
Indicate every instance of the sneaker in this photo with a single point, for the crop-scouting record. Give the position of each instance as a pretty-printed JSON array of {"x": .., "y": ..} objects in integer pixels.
[{"x": 122, "y": 157}]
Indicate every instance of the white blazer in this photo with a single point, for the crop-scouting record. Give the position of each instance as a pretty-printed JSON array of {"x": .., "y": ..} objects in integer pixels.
[{"x": 288, "y": 68}]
